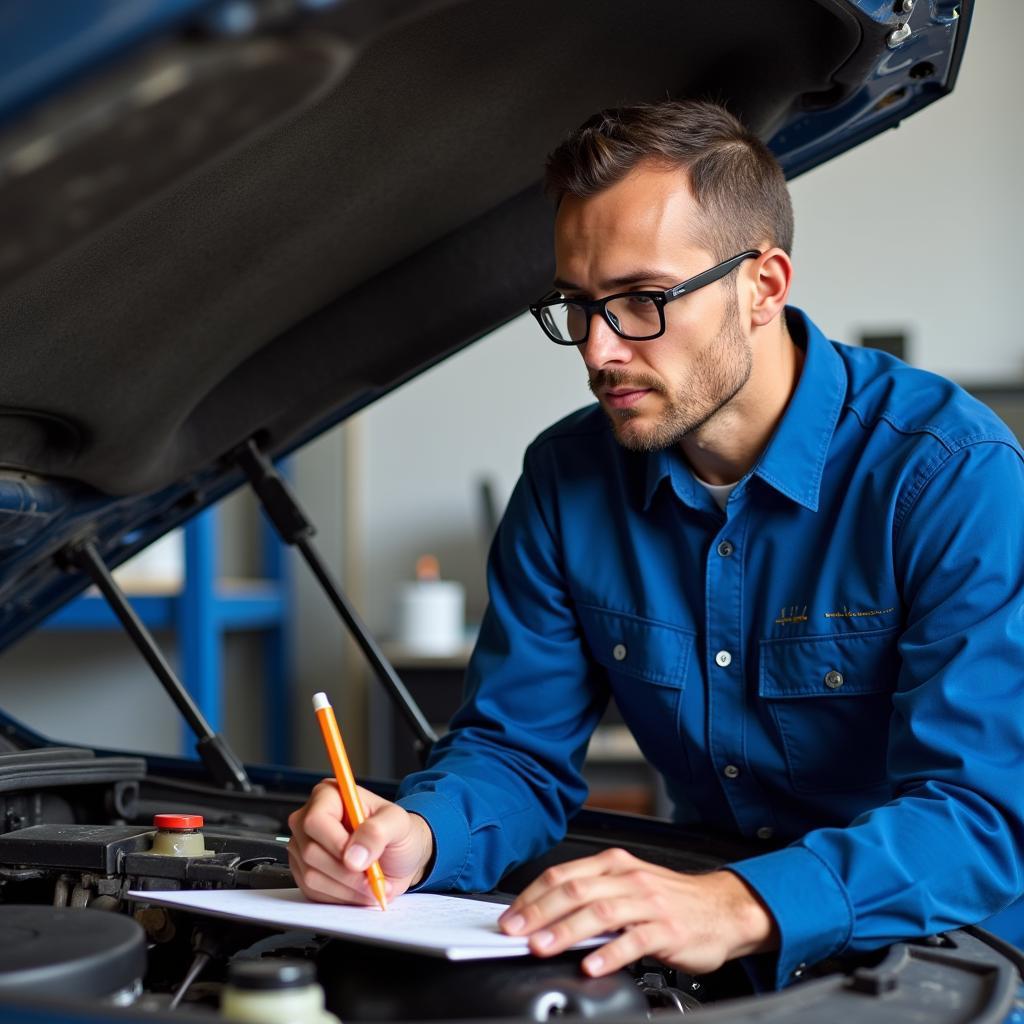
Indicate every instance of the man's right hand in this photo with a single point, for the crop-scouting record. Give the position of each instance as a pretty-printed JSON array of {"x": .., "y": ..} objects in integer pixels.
[{"x": 329, "y": 863}]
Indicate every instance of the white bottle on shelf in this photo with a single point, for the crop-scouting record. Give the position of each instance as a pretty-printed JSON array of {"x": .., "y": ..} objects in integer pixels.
[{"x": 430, "y": 614}]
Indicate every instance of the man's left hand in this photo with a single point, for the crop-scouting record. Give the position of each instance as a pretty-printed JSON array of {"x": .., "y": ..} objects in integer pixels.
[{"x": 691, "y": 922}]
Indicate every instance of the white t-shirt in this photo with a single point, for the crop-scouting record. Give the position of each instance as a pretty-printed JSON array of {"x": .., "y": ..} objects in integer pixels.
[{"x": 720, "y": 492}]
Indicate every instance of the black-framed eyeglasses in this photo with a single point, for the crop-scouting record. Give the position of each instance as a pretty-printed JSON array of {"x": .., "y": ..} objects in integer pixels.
[{"x": 635, "y": 316}]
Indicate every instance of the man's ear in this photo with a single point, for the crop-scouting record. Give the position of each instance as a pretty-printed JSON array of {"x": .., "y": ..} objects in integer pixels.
[{"x": 772, "y": 277}]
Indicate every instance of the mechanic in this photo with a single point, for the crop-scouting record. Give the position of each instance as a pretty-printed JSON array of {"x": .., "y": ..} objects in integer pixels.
[{"x": 797, "y": 566}]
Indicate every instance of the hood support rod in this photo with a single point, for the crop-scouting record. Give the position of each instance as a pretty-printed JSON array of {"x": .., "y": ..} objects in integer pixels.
[
  {"x": 220, "y": 760},
  {"x": 294, "y": 528}
]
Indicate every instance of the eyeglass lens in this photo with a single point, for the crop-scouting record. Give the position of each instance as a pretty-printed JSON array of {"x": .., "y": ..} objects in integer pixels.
[{"x": 632, "y": 316}]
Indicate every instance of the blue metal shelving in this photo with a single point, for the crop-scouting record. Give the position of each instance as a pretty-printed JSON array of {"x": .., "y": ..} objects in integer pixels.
[{"x": 201, "y": 613}]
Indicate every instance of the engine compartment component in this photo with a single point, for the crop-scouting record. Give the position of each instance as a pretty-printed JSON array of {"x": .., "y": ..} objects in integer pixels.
[
  {"x": 77, "y": 952},
  {"x": 259, "y": 991},
  {"x": 114, "y": 858}
]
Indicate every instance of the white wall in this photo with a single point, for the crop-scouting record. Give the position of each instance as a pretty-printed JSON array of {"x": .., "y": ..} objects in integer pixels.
[
  {"x": 427, "y": 445},
  {"x": 915, "y": 230}
]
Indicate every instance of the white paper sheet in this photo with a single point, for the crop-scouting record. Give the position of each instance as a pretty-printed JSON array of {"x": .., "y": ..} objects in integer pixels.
[{"x": 447, "y": 926}]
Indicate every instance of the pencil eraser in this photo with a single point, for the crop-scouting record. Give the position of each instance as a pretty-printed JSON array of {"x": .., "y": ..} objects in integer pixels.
[{"x": 320, "y": 701}]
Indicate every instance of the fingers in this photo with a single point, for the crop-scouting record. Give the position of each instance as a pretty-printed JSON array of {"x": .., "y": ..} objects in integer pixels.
[
  {"x": 625, "y": 949},
  {"x": 315, "y": 850},
  {"x": 329, "y": 863},
  {"x": 402, "y": 843},
  {"x": 669, "y": 941},
  {"x": 584, "y": 908},
  {"x": 537, "y": 904},
  {"x": 611, "y": 914},
  {"x": 320, "y": 819},
  {"x": 326, "y": 886},
  {"x": 655, "y": 911},
  {"x": 387, "y": 826}
]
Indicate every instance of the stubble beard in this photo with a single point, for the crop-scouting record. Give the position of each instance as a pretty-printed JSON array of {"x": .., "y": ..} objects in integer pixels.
[{"x": 716, "y": 377}]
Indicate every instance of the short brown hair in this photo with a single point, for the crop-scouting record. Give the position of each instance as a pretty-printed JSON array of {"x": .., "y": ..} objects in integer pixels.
[{"x": 734, "y": 178}]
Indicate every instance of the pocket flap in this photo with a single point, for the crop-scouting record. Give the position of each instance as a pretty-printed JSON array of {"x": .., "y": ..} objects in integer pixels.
[
  {"x": 639, "y": 647},
  {"x": 830, "y": 666}
]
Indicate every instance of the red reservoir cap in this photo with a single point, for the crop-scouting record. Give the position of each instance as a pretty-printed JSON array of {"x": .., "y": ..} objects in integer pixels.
[{"x": 177, "y": 821}]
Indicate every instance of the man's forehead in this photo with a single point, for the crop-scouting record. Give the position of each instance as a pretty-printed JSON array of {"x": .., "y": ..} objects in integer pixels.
[
  {"x": 647, "y": 194},
  {"x": 648, "y": 219}
]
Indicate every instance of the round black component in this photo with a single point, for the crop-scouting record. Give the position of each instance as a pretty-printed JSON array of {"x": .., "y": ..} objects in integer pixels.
[
  {"x": 71, "y": 950},
  {"x": 270, "y": 975}
]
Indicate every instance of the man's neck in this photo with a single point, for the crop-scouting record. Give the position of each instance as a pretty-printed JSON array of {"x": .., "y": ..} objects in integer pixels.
[{"x": 724, "y": 449}]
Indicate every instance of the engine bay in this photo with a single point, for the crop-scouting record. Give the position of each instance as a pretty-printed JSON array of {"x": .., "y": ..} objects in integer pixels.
[
  {"x": 78, "y": 837},
  {"x": 71, "y": 853}
]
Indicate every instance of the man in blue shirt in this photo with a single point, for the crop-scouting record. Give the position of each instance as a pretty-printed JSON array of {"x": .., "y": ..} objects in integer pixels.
[{"x": 797, "y": 566}]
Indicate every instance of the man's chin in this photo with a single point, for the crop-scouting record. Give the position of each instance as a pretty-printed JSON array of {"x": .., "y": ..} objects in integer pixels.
[{"x": 633, "y": 431}]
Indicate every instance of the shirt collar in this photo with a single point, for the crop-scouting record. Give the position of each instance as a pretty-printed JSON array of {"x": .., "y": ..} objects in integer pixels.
[
  {"x": 669, "y": 464},
  {"x": 794, "y": 459}
]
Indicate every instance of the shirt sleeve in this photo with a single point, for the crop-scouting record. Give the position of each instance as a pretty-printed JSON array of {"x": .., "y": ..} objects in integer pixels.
[
  {"x": 500, "y": 786},
  {"x": 946, "y": 850}
]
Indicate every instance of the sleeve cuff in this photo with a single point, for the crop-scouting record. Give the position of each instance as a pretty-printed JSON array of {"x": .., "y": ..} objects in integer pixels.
[
  {"x": 808, "y": 903},
  {"x": 451, "y": 837}
]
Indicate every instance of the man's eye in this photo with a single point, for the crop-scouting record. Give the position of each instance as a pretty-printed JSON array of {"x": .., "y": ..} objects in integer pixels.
[{"x": 641, "y": 300}]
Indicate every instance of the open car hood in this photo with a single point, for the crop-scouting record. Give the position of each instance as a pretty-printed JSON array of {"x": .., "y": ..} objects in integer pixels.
[{"x": 219, "y": 228}]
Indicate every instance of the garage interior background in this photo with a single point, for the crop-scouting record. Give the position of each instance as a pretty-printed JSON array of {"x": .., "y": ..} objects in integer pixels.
[{"x": 914, "y": 233}]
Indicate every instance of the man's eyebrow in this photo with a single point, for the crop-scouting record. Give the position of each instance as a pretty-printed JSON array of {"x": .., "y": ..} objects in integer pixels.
[{"x": 635, "y": 277}]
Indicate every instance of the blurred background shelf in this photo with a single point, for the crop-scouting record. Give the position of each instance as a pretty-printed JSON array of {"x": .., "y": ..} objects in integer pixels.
[
  {"x": 200, "y": 610},
  {"x": 237, "y": 604}
]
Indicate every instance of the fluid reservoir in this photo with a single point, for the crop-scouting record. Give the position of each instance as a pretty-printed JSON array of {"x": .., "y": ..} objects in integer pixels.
[
  {"x": 179, "y": 835},
  {"x": 274, "y": 992}
]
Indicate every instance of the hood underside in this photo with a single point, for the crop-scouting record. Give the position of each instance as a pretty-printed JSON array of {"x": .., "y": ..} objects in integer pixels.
[{"x": 217, "y": 237}]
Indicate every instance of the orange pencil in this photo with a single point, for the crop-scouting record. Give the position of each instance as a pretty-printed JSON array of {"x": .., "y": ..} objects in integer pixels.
[{"x": 347, "y": 784}]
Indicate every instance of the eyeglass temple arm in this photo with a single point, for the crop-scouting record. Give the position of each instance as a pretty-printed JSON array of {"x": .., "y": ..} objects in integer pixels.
[{"x": 711, "y": 275}]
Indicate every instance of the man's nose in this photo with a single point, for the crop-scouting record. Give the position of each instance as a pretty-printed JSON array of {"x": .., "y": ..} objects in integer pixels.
[{"x": 603, "y": 345}]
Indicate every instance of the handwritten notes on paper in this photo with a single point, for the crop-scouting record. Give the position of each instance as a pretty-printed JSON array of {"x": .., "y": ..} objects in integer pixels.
[{"x": 448, "y": 926}]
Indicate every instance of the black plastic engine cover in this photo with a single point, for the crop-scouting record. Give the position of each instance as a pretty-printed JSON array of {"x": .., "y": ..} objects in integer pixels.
[{"x": 361, "y": 984}]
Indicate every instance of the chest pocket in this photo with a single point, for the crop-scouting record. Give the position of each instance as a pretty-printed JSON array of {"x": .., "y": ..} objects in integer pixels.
[
  {"x": 831, "y": 700},
  {"x": 646, "y": 664}
]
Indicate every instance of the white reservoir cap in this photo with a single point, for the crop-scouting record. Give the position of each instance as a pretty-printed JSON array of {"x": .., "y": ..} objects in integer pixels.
[{"x": 320, "y": 701}]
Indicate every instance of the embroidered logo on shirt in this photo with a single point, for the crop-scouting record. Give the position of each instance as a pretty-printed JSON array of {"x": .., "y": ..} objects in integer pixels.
[
  {"x": 847, "y": 614},
  {"x": 792, "y": 614}
]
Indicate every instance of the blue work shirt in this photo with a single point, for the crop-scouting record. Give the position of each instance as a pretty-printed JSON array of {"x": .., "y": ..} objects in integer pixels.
[{"x": 835, "y": 660}]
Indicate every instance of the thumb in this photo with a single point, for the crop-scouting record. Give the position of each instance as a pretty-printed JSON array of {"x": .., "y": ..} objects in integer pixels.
[{"x": 401, "y": 842}]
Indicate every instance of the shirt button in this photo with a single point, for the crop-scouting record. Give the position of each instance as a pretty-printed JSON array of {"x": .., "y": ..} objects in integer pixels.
[
  {"x": 730, "y": 771},
  {"x": 725, "y": 549},
  {"x": 765, "y": 832},
  {"x": 619, "y": 652},
  {"x": 723, "y": 658},
  {"x": 834, "y": 679}
]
